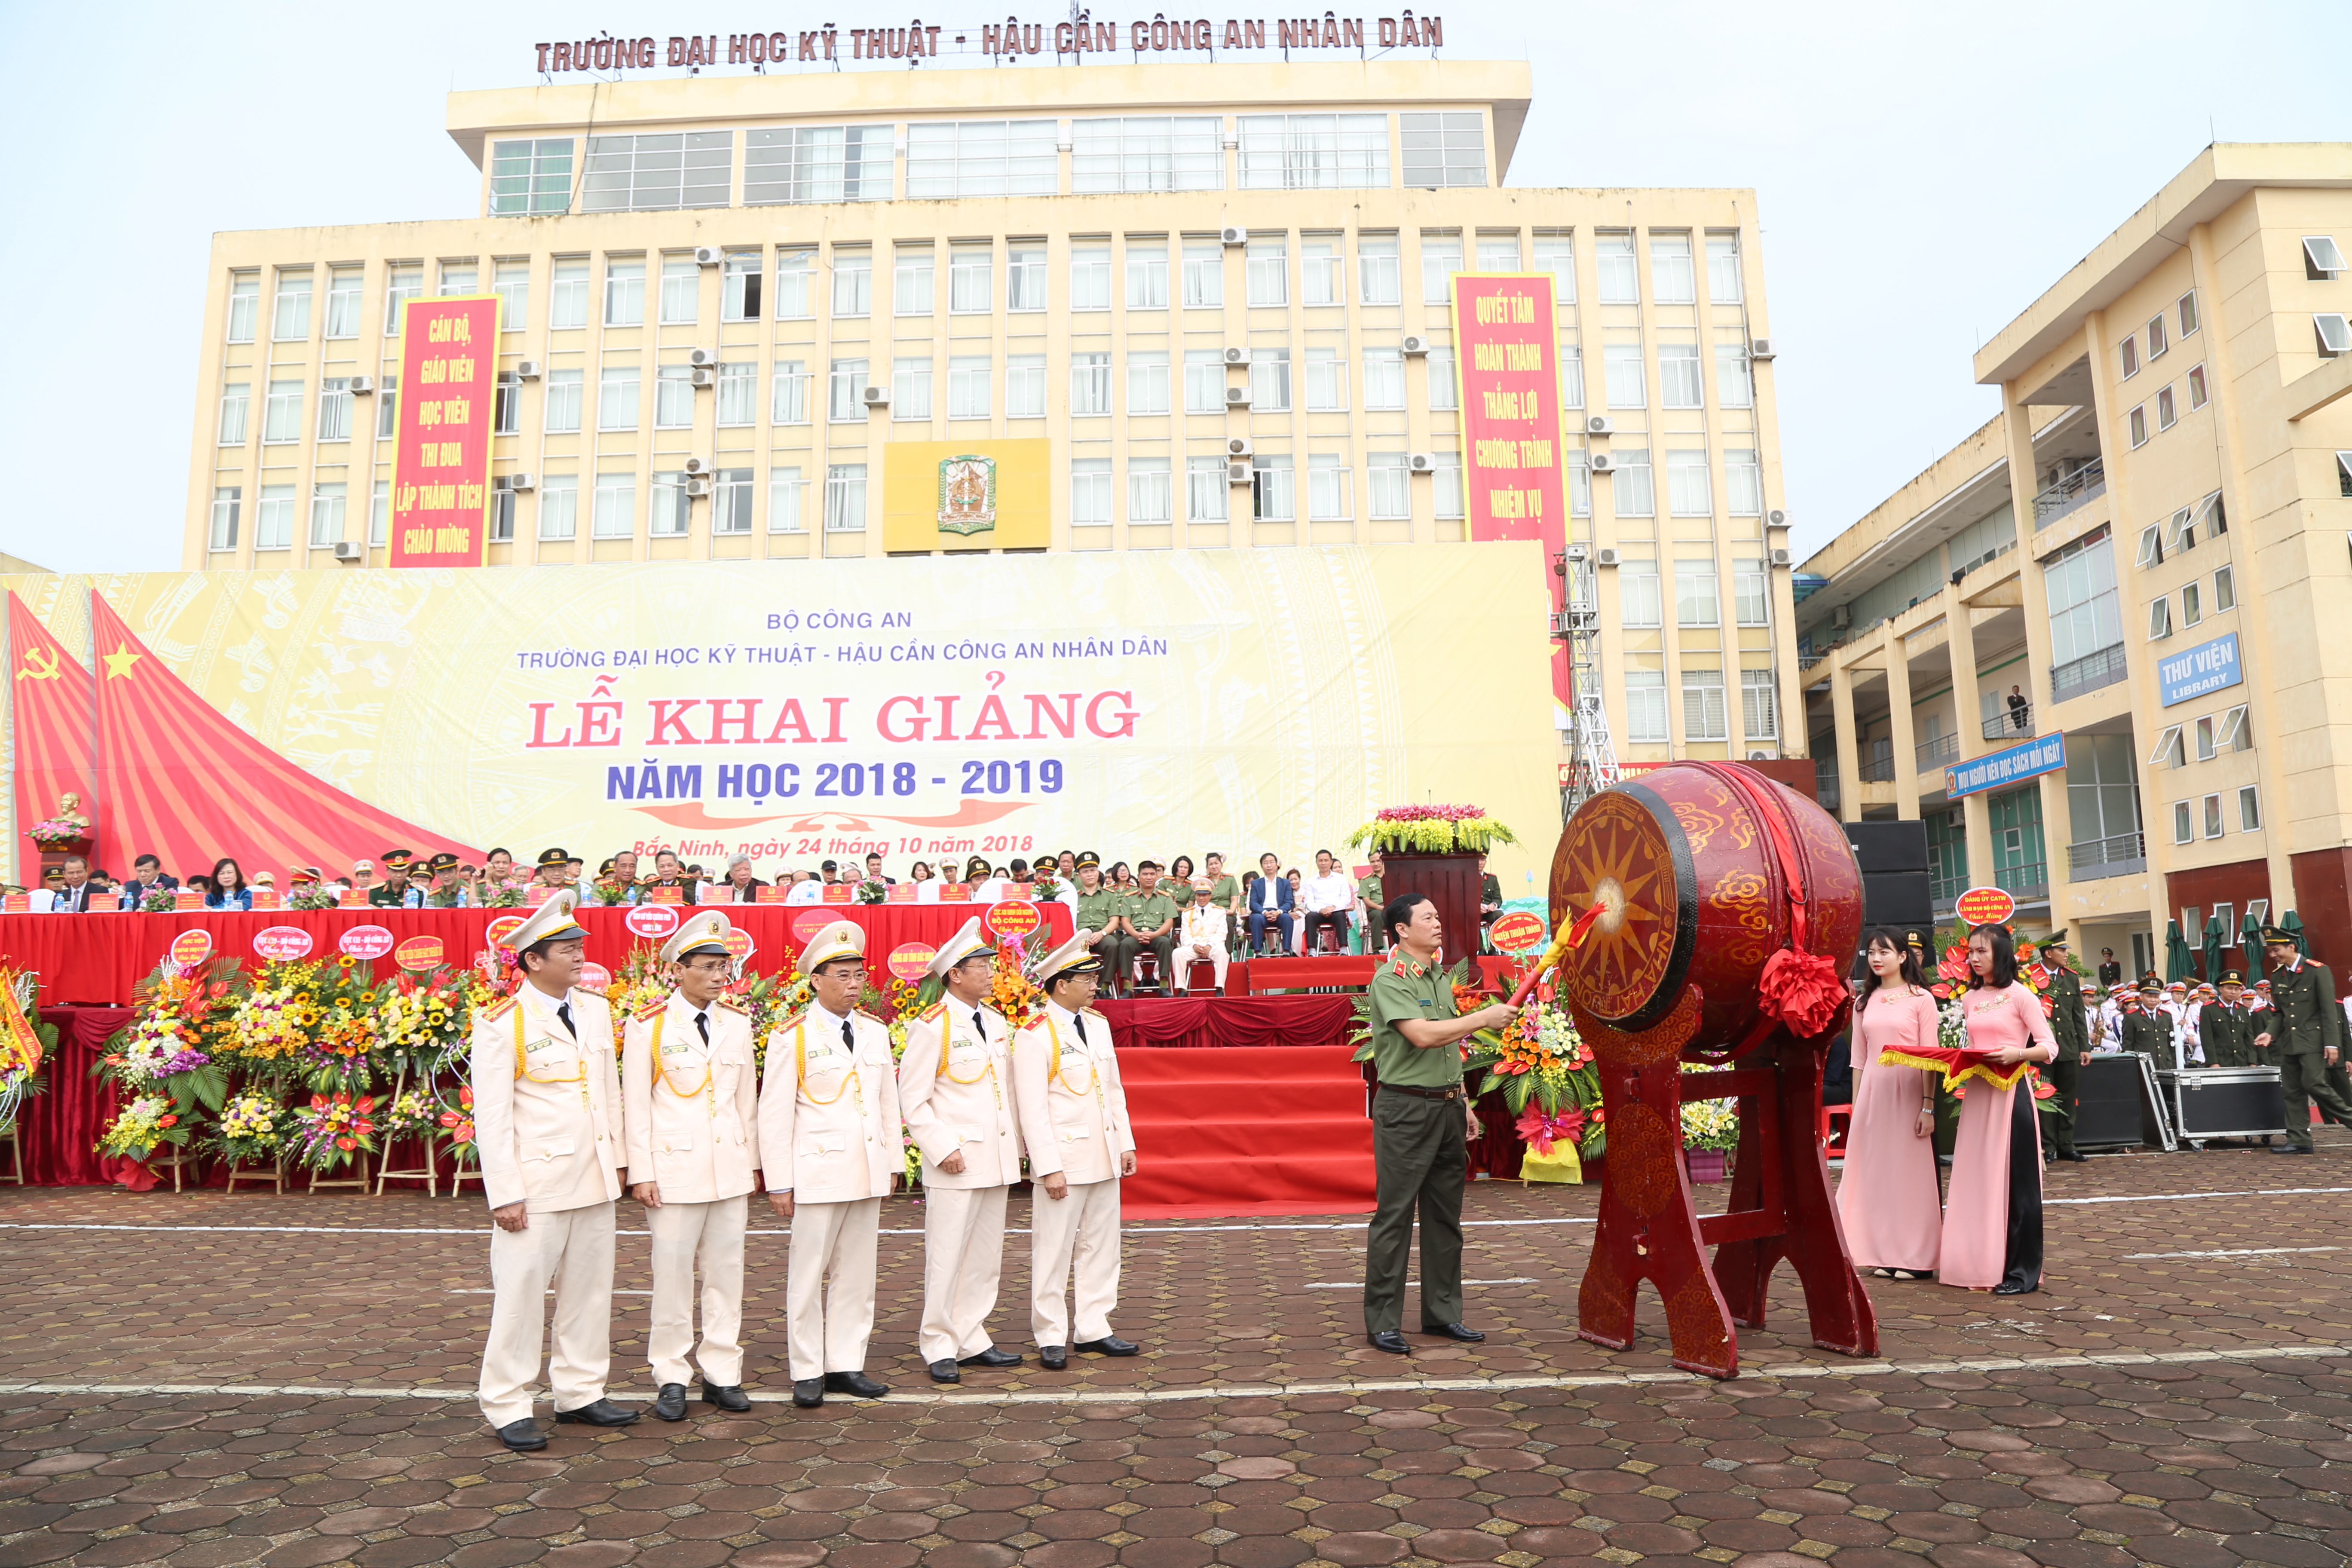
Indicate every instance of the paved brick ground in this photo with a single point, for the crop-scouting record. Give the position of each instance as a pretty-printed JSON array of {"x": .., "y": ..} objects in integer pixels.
[{"x": 2157, "y": 1402}]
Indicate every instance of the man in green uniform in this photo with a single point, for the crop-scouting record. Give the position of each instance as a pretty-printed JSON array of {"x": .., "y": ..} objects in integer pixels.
[
  {"x": 1368, "y": 897},
  {"x": 1226, "y": 893},
  {"x": 1099, "y": 909},
  {"x": 448, "y": 891},
  {"x": 396, "y": 892},
  {"x": 2148, "y": 1027},
  {"x": 2073, "y": 1032},
  {"x": 2307, "y": 1038},
  {"x": 1150, "y": 918},
  {"x": 1421, "y": 1120},
  {"x": 2226, "y": 1027}
]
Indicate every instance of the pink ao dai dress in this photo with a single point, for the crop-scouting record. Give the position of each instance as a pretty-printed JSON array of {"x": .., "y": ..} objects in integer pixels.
[
  {"x": 1888, "y": 1203},
  {"x": 1992, "y": 1216}
]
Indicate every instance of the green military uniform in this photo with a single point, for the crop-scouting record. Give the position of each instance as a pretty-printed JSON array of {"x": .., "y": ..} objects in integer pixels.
[
  {"x": 1226, "y": 893},
  {"x": 2227, "y": 1034},
  {"x": 1146, "y": 909},
  {"x": 1099, "y": 911},
  {"x": 2309, "y": 1025},
  {"x": 1420, "y": 1155},
  {"x": 2149, "y": 1032},
  {"x": 1117, "y": 948},
  {"x": 2072, "y": 1030},
  {"x": 1376, "y": 935}
]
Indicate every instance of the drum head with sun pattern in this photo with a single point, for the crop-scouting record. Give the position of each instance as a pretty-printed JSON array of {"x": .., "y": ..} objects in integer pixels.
[{"x": 1624, "y": 850}]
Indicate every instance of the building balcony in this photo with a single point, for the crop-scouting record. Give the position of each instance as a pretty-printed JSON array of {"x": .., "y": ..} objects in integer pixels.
[
  {"x": 2027, "y": 879},
  {"x": 2124, "y": 855},
  {"x": 2070, "y": 492},
  {"x": 2011, "y": 724},
  {"x": 2088, "y": 673},
  {"x": 1934, "y": 752},
  {"x": 1879, "y": 770}
]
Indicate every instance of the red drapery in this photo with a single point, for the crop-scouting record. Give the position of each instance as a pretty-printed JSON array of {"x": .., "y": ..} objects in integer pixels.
[
  {"x": 59, "y": 1128},
  {"x": 1229, "y": 1021}
]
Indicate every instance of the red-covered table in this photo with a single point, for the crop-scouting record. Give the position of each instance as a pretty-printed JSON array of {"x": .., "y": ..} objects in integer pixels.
[{"x": 96, "y": 959}]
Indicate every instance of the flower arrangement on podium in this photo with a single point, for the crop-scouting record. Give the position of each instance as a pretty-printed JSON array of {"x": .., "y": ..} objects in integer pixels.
[
  {"x": 171, "y": 1053},
  {"x": 502, "y": 896},
  {"x": 424, "y": 1026},
  {"x": 1044, "y": 888},
  {"x": 608, "y": 892},
  {"x": 317, "y": 898},
  {"x": 1432, "y": 830},
  {"x": 159, "y": 901},
  {"x": 873, "y": 891},
  {"x": 68, "y": 830}
]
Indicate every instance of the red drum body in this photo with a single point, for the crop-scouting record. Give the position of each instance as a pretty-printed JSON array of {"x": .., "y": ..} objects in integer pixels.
[{"x": 1693, "y": 864}]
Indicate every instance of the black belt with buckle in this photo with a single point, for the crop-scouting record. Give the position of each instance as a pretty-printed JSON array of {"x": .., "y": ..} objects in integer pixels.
[{"x": 1454, "y": 1093}]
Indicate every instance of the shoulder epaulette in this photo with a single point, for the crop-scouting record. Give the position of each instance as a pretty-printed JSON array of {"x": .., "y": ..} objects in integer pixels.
[
  {"x": 592, "y": 991},
  {"x": 732, "y": 1005},
  {"x": 931, "y": 1012},
  {"x": 499, "y": 1009},
  {"x": 1090, "y": 1013},
  {"x": 650, "y": 1010},
  {"x": 869, "y": 1017},
  {"x": 1036, "y": 1022},
  {"x": 788, "y": 1023}
]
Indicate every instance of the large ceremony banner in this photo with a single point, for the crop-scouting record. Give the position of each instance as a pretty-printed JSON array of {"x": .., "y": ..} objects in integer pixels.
[
  {"x": 441, "y": 457},
  {"x": 1506, "y": 354},
  {"x": 1137, "y": 704}
]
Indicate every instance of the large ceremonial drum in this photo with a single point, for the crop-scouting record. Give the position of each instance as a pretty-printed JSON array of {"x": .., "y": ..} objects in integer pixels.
[{"x": 1694, "y": 864}]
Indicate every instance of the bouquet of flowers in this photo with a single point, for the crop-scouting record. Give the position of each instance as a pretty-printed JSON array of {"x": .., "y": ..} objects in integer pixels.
[
  {"x": 25, "y": 1041},
  {"x": 337, "y": 1006},
  {"x": 58, "y": 833},
  {"x": 172, "y": 1045},
  {"x": 769, "y": 999},
  {"x": 413, "y": 1114},
  {"x": 424, "y": 1026},
  {"x": 1432, "y": 830},
  {"x": 873, "y": 891},
  {"x": 319, "y": 896},
  {"x": 251, "y": 1130},
  {"x": 457, "y": 1123},
  {"x": 334, "y": 1127},
  {"x": 1011, "y": 992},
  {"x": 642, "y": 978},
  {"x": 270, "y": 1029},
  {"x": 144, "y": 1122},
  {"x": 609, "y": 891},
  {"x": 501, "y": 896},
  {"x": 1709, "y": 1124},
  {"x": 160, "y": 901},
  {"x": 1044, "y": 887}
]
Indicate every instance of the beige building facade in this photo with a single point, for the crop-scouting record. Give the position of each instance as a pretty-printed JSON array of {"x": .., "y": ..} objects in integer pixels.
[
  {"x": 2140, "y": 570},
  {"x": 1217, "y": 294}
]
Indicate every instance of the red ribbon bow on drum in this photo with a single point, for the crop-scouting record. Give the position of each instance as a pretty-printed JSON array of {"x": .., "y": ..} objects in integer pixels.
[{"x": 1801, "y": 988}]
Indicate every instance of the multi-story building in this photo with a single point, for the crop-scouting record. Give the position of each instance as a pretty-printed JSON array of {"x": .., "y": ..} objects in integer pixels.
[
  {"x": 784, "y": 276},
  {"x": 2088, "y": 646}
]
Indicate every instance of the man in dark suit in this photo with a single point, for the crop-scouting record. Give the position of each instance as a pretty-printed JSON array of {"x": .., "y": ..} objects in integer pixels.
[
  {"x": 1269, "y": 899},
  {"x": 146, "y": 877},
  {"x": 74, "y": 895}
]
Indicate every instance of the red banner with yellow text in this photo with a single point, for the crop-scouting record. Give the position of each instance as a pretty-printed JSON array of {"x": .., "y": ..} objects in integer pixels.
[
  {"x": 441, "y": 461},
  {"x": 1506, "y": 351}
]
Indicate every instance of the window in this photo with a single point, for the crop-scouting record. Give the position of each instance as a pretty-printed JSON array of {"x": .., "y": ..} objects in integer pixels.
[
  {"x": 2197, "y": 393},
  {"x": 326, "y": 515},
  {"x": 459, "y": 277},
  {"x": 1204, "y": 489},
  {"x": 1645, "y": 706},
  {"x": 1090, "y": 385},
  {"x": 380, "y": 512},
  {"x": 853, "y": 283},
  {"x": 1204, "y": 381},
  {"x": 674, "y": 398},
  {"x": 982, "y": 158},
  {"x": 2129, "y": 350},
  {"x": 968, "y": 386},
  {"x": 1632, "y": 491},
  {"x": 530, "y": 177},
  {"x": 1579, "y": 484},
  {"x": 1622, "y": 368},
  {"x": 1330, "y": 489},
  {"x": 1704, "y": 718},
  {"x": 2159, "y": 619},
  {"x": 617, "y": 505},
  {"x": 1694, "y": 594},
  {"x": 1090, "y": 278},
  {"x": 910, "y": 387},
  {"x": 1090, "y": 492},
  {"x": 1638, "y": 594},
  {"x": 1327, "y": 381},
  {"x": 1147, "y": 276},
  {"x": 344, "y": 291},
  {"x": 2165, "y": 417},
  {"x": 1269, "y": 379},
  {"x": 1154, "y": 153},
  {"x": 273, "y": 521},
  {"x": 1147, "y": 490},
  {"x": 845, "y": 399},
  {"x": 562, "y": 400},
  {"x": 401, "y": 284},
  {"x": 1743, "y": 482},
  {"x": 1759, "y": 705},
  {"x": 913, "y": 281},
  {"x": 786, "y": 489},
  {"x": 1441, "y": 259},
  {"x": 1556, "y": 254},
  {"x": 795, "y": 285},
  {"x": 1446, "y": 486},
  {"x": 2250, "y": 809},
  {"x": 2236, "y": 734},
  {"x": 1723, "y": 283},
  {"x": 1688, "y": 492},
  {"x": 1678, "y": 376},
  {"x": 1319, "y": 270},
  {"x": 2204, "y": 734},
  {"x": 289, "y": 319},
  {"x": 788, "y": 393},
  {"x": 1392, "y": 485},
  {"x": 559, "y": 506},
  {"x": 281, "y": 417},
  {"x": 971, "y": 280},
  {"x": 659, "y": 173},
  {"x": 1267, "y": 270},
  {"x": 1024, "y": 387},
  {"x": 1315, "y": 152},
  {"x": 845, "y": 498},
  {"x": 2151, "y": 546},
  {"x": 2225, "y": 589},
  {"x": 2322, "y": 261},
  {"x": 2180, "y": 533},
  {"x": 1571, "y": 375},
  {"x": 669, "y": 510},
  {"x": 1025, "y": 277},
  {"x": 2187, "y": 312},
  {"x": 2184, "y": 830},
  {"x": 1383, "y": 378},
  {"x": 335, "y": 409},
  {"x": 227, "y": 501},
  {"x": 1620, "y": 279},
  {"x": 1444, "y": 385},
  {"x": 730, "y": 501},
  {"x": 243, "y": 305},
  {"x": 819, "y": 164},
  {"x": 1147, "y": 382},
  {"x": 1751, "y": 590},
  {"x": 236, "y": 397},
  {"x": 617, "y": 397},
  {"x": 1379, "y": 277},
  {"x": 739, "y": 392},
  {"x": 1441, "y": 149},
  {"x": 2335, "y": 336},
  {"x": 1273, "y": 496},
  {"x": 2168, "y": 751},
  {"x": 1205, "y": 273},
  {"x": 739, "y": 285},
  {"x": 1672, "y": 281},
  {"x": 1735, "y": 386},
  {"x": 2137, "y": 422},
  {"x": 625, "y": 293},
  {"x": 510, "y": 282},
  {"x": 2157, "y": 342},
  {"x": 2191, "y": 612},
  {"x": 387, "y": 409},
  {"x": 2213, "y": 817},
  {"x": 567, "y": 299}
]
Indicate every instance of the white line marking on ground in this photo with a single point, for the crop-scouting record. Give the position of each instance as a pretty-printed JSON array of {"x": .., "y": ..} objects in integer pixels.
[
  {"x": 2233, "y": 1252},
  {"x": 1414, "y": 1284}
]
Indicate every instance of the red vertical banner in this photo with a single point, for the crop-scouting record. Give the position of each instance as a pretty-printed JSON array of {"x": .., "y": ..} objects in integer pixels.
[
  {"x": 1506, "y": 351},
  {"x": 54, "y": 707},
  {"x": 441, "y": 459}
]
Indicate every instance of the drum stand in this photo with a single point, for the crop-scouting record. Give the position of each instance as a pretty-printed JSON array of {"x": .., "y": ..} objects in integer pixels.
[{"x": 1781, "y": 1205}]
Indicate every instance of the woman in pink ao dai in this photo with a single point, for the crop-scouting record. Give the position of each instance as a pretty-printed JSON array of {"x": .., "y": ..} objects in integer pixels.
[
  {"x": 1888, "y": 1203},
  {"x": 1992, "y": 1216}
]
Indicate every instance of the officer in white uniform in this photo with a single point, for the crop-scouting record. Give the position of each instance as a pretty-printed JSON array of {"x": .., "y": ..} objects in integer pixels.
[
  {"x": 1073, "y": 1120},
  {"x": 547, "y": 1130},
  {"x": 829, "y": 1146},
  {"x": 693, "y": 1137},
  {"x": 955, "y": 1089}
]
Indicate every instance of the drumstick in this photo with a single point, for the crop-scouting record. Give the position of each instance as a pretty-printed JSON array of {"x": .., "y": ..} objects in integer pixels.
[{"x": 1571, "y": 935}]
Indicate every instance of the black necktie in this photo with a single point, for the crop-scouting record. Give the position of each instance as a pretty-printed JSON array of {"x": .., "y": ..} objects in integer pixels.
[
  {"x": 563, "y": 1011},
  {"x": 848, "y": 1041},
  {"x": 702, "y": 1023},
  {"x": 978, "y": 1027},
  {"x": 1081, "y": 1023}
]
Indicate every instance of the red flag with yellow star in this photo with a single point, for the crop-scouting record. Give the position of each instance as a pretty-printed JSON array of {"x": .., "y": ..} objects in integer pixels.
[
  {"x": 178, "y": 779},
  {"x": 56, "y": 717}
]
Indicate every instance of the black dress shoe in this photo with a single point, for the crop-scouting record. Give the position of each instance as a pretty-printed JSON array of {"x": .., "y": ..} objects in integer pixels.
[
  {"x": 1110, "y": 1344},
  {"x": 603, "y": 1413},
  {"x": 1456, "y": 1331},
  {"x": 991, "y": 1356},
  {"x": 2289, "y": 1149},
  {"x": 729, "y": 1396},
  {"x": 944, "y": 1371},
  {"x": 1053, "y": 1358},
  {"x": 670, "y": 1403},
  {"x": 855, "y": 1384},
  {"x": 1390, "y": 1340},
  {"x": 808, "y": 1392},
  {"x": 523, "y": 1437},
  {"x": 2014, "y": 1287}
]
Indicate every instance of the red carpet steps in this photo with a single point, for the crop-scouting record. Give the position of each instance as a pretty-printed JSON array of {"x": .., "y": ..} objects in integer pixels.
[{"x": 1247, "y": 1130}]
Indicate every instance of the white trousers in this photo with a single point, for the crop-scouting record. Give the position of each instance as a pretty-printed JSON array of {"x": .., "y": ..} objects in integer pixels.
[
  {"x": 833, "y": 1245},
  {"x": 1186, "y": 958},
  {"x": 713, "y": 1235},
  {"x": 573, "y": 1251},
  {"x": 1080, "y": 1230},
  {"x": 963, "y": 1258}
]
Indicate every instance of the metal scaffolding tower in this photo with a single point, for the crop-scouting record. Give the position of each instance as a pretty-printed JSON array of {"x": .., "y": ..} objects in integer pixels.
[{"x": 1591, "y": 759}]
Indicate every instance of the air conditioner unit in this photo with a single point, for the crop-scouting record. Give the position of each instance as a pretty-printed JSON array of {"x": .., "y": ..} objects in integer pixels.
[
  {"x": 1234, "y": 236},
  {"x": 878, "y": 397},
  {"x": 1238, "y": 473},
  {"x": 527, "y": 370},
  {"x": 361, "y": 385},
  {"x": 350, "y": 550},
  {"x": 702, "y": 375},
  {"x": 522, "y": 481},
  {"x": 1842, "y": 617},
  {"x": 1601, "y": 463},
  {"x": 701, "y": 357},
  {"x": 1606, "y": 557},
  {"x": 1776, "y": 518},
  {"x": 1421, "y": 463},
  {"x": 697, "y": 486},
  {"x": 705, "y": 256},
  {"x": 1415, "y": 344},
  {"x": 1761, "y": 755},
  {"x": 1237, "y": 356},
  {"x": 1239, "y": 446},
  {"x": 1782, "y": 558},
  {"x": 1600, "y": 424},
  {"x": 1237, "y": 397},
  {"x": 1759, "y": 348},
  {"x": 695, "y": 466}
]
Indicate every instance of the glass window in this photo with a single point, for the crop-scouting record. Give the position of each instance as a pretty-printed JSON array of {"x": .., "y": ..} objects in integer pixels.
[
  {"x": 1444, "y": 385},
  {"x": 335, "y": 409},
  {"x": 1759, "y": 705},
  {"x": 1723, "y": 283},
  {"x": 2165, "y": 417},
  {"x": 819, "y": 164},
  {"x": 1671, "y": 279},
  {"x": 617, "y": 505},
  {"x": 681, "y": 290},
  {"x": 1704, "y": 718},
  {"x": 788, "y": 393},
  {"x": 1204, "y": 274},
  {"x": 845, "y": 498},
  {"x": 401, "y": 284},
  {"x": 1446, "y": 148},
  {"x": 1090, "y": 492},
  {"x": 971, "y": 273},
  {"x": 913, "y": 284},
  {"x": 511, "y": 283},
  {"x": 559, "y": 506},
  {"x": 2189, "y": 313},
  {"x": 530, "y": 177},
  {"x": 1315, "y": 152},
  {"x": 1025, "y": 277},
  {"x": 563, "y": 392},
  {"x": 1273, "y": 489},
  {"x": 910, "y": 387},
  {"x": 1147, "y": 275},
  {"x": 1090, "y": 385},
  {"x": 853, "y": 283},
  {"x": 1392, "y": 485},
  {"x": 795, "y": 285},
  {"x": 1734, "y": 387},
  {"x": 2137, "y": 422},
  {"x": 1204, "y": 489},
  {"x": 2159, "y": 619},
  {"x": 1621, "y": 277},
  {"x": 786, "y": 491},
  {"x": 2204, "y": 732},
  {"x": 1678, "y": 376},
  {"x": 1383, "y": 378},
  {"x": 1621, "y": 365},
  {"x": 1579, "y": 484},
  {"x": 617, "y": 397},
  {"x": 1645, "y": 706},
  {"x": 669, "y": 510},
  {"x": 1147, "y": 381},
  {"x": 2250, "y": 809},
  {"x": 1498, "y": 253},
  {"x": 2184, "y": 830},
  {"x": 1267, "y": 269},
  {"x": 567, "y": 303},
  {"x": 1269, "y": 379},
  {"x": 1204, "y": 381},
  {"x": 2225, "y": 590},
  {"x": 969, "y": 390},
  {"x": 1632, "y": 492},
  {"x": 1688, "y": 493},
  {"x": 1571, "y": 375},
  {"x": 1330, "y": 489},
  {"x": 344, "y": 291},
  {"x": 2129, "y": 350},
  {"x": 1743, "y": 482},
  {"x": 674, "y": 398},
  {"x": 739, "y": 392},
  {"x": 1147, "y": 490},
  {"x": 236, "y": 397},
  {"x": 1319, "y": 270},
  {"x": 273, "y": 521},
  {"x": 1446, "y": 491},
  {"x": 327, "y": 501},
  {"x": 1090, "y": 278},
  {"x": 845, "y": 398},
  {"x": 1638, "y": 589},
  {"x": 281, "y": 417},
  {"x": 243, "y": 305},
  {"x": 661, "y": 173},
  {"x": 1379, "y": 279},
  {"x": 2086, "y": 611},
  {"x": 952, "y": 158},
  {"x": 1556, "y": 254},
  {"x": 1327, "y": 381},
  {"x": 459, "y": 277},
  {"x": 2197, "y": 393},
  {"x": 387, "y": 407},
  {"x": 625, "y": 293},
  {"x": 730, "y": 501},
  {"x": 2192, "y": 609},
  {"x": 2213, "y": 817},
  {"x": 1694, "y": 594},
  {"x": 739, "y": 285},
  {"x": 290, "y": 318},
  {"x": 1441, "y": 259},
  {"x": 1025, "y": 386},
  {"x": 1155, "y": 152},
  {"x": 1750, "y": 593},
  {"x": 226, "y": 502}
]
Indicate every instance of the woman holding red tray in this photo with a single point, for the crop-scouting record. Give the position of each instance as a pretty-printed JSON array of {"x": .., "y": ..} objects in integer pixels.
[
  {"x": 1993, "y": 1215},
  {"x": 1888, "y": 1202}
]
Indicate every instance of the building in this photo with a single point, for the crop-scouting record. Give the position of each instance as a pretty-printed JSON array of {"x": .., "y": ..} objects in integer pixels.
[
  {"x": 2132, "y": 566},
  {"x": 1215, "y": 295}
]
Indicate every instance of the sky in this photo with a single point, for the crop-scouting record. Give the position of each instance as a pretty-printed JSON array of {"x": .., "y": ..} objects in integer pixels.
[{"x": 1922, "y": 174}]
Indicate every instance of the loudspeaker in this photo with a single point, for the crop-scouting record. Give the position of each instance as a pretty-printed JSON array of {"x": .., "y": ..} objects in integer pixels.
[
  {"x": 1889, "y": 845},
  {"x": 2114, "y": 1103},
  {"x": 1900, "y": 899}
]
